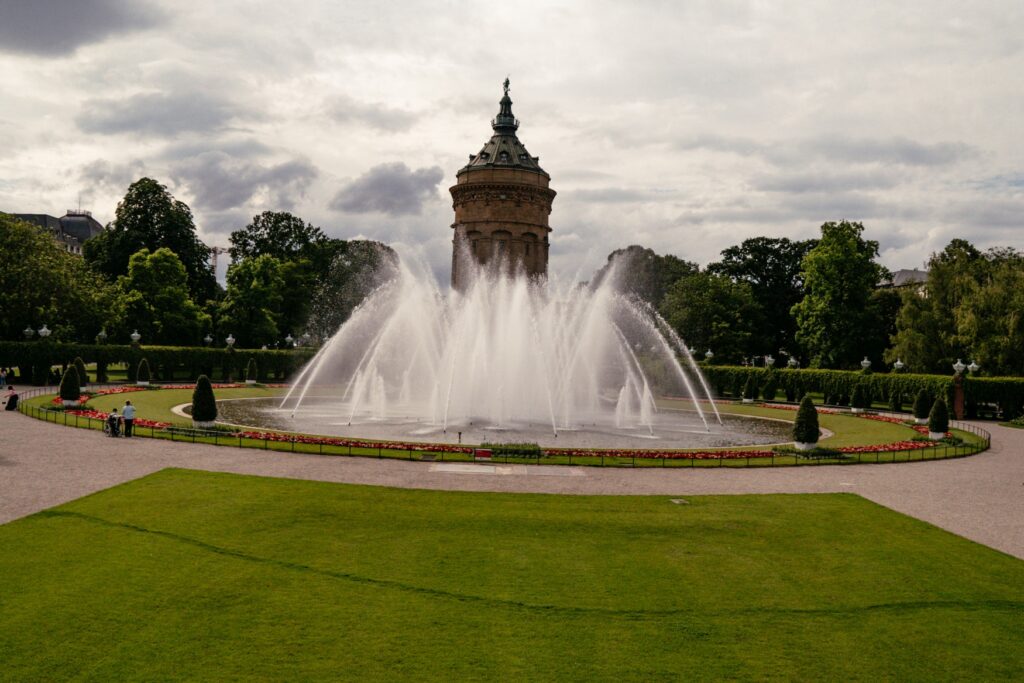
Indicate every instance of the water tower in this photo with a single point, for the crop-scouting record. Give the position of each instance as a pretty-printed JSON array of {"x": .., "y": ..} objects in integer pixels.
[{"x": 502, "y": 202}]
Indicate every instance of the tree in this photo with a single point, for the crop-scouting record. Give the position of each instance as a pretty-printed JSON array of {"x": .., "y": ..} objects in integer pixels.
[
  {"x": 990, "y": 319},
  {"x": 204, "y": 404},
  {"x": 254, "y": 295},
  {"x": 70, "y": 389},
  {"x": 921, "y": 404},
  {"x": 156, "y": 300},
  {"x": 358, "y": 268},
  {"x": 713, "y": 312},
  {"x": 278, "y": 234},
  {"x": 149, "y": 217},
  {"x": 834, "y": 319},
  {"x": 805, "y": 427},
  {"x": 640, "y": 272},
  {"x": 773, "y": 269},
  {"x": 42, "y": 283},
  {"x": 938, "y": 417}
]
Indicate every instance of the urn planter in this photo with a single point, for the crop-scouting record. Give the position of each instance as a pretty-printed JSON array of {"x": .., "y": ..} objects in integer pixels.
[
  {"x": 805, "y": 446},
  {"x": 203, "y": 425}
]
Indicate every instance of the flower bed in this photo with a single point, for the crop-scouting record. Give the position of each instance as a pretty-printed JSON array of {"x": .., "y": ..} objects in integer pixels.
[
  {"x": 99, "y": 415},
  {"x": 353, "y": 443}
]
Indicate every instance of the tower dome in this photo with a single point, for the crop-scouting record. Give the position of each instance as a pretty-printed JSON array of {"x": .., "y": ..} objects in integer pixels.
[{"x": 502, "y": 202}]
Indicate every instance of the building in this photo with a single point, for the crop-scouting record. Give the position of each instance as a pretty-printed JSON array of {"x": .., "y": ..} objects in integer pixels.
[
  {"x": 71, "y": 230},
  {"x": 502, "y": 202}
]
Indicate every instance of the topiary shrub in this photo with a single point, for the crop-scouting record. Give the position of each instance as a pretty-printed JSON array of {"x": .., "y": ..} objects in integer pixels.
[
  {"x": 251, "y": 372},
  {"x": 771, "y": 387},
  {"x": 204, "y": 404},
  {"x": 896, "y": 401},
  {"x": 859, "y": 400},
  {"x": 83, "y": 376},
  {"x": 70, "y": 389},
  {"x": 805, "y": 428},
  {"x": 938, "y": 420},
  {"x": 922, "y": 404},
  {"x": 750, "y": 389},
  {"x": 142, "y": 375}
]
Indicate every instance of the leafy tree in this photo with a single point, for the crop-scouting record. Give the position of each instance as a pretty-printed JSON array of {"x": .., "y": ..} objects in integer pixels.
[
  {"x": 156, "y": 300},
  {"x": 254, "y": 295},
  {"x": 712, "y": 312},
  {"x": 149, "y": 217},
  {"x": 278, "y": 234},
  {"x": 773, "y": 269},
  {"x": 834, "y": 319},
  {"x": 42, "y": 283},
  {"x": 990, "y": 319},
  {"x": 644, "y": 274},
  {"x": 358, "y": 268}
]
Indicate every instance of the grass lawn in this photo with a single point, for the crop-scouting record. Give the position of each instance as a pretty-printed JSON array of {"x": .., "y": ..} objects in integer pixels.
[{"x": 194, "y": 575}]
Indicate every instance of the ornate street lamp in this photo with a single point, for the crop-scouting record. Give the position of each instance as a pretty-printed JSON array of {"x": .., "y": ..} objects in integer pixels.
[
  {"x": 207, "y": 339},
  {"x": 769, "y": 361},
  {"x": 958, "y": 366},
  {"x": 708, "y": 355},
  {"x": 44, "y": 331},
  {"x": 28, "y": 332},
  {"x": 263, "y": 348},
  {"x": 230, "y": 341},
  {"x": 898, "y": 365},
  {"x": 793, "y": 363},
  {"x": 973, "y": 367},
  {"x": 289, "y": 340},
  {"x": 135, "y": 337},
  {"x": 102, "y": 336},
  {"x": 865, "y": 364}
]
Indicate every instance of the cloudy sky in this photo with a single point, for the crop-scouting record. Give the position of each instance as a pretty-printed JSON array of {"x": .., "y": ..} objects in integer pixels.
[{"x": 683, "y": 126}]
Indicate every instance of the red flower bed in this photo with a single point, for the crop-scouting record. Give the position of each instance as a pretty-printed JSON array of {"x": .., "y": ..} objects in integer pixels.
[
  {"x": 119, "y": 390},
  {"x": 354, "y": 443},
  {"x": 57, "y": 400},
  {"x": 234, "y": 385},
  {"x": 99, "y": 415}
]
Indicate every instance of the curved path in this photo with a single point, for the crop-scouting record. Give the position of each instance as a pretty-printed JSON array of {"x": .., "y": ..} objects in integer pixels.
[{"x": 980, "y": 497}]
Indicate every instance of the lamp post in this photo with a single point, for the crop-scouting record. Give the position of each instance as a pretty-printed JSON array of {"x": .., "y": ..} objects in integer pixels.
[
  {"x": 289, "y": 340},
  {"x": 865, "y": 364},
  {"x": 898, "y": 365},
  {"x": 708, "y": 355},
  {"x": 44, "y": 332},
  {"x": 973, "y": 367},
  {"x": 207, "y": 339},
  {"x": 959, "y": 367},
  {"x": 102, "y": 336},
  {"x": 769, "y": 361},
  {"x": 230, "y": 341},
  {"x": 135, "y": 337},
  {"x": 28, "y": 332},
  {"x": 792, "y": 363}
]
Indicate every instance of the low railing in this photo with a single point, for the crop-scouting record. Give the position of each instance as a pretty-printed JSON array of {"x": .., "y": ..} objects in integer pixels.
[{"x": 440, "y": 453}]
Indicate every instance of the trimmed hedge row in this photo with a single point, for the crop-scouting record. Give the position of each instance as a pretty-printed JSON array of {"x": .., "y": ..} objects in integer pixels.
[
  {"x": 1006, "y": 394},
  {"x": 34, "y": 360}
]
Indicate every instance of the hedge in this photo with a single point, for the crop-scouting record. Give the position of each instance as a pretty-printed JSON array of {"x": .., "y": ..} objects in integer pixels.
[
  {"x": 1006, "y": 394},
  {"x": 34, "y": 359}
]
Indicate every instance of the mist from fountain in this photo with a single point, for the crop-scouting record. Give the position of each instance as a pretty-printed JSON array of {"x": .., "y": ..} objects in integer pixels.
[{"x": 507, "y": 352}]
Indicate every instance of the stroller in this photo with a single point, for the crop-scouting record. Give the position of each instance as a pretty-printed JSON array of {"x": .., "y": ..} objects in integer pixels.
[{"x": 112, "y": 425}]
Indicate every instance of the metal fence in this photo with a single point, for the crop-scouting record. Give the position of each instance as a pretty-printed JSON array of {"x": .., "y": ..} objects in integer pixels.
[{"x": 438, "y": 453}]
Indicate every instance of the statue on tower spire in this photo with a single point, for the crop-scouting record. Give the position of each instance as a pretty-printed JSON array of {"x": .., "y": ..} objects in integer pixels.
[{"x": 506, "y": 85}]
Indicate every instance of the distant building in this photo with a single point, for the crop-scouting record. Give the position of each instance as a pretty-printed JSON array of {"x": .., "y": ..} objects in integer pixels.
[
  {"x": 71, "y": 230},
  {"x": 906, "y": 277}
]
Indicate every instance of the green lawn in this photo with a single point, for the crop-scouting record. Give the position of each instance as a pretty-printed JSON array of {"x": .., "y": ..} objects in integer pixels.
[{"x": 193, "y": 575}]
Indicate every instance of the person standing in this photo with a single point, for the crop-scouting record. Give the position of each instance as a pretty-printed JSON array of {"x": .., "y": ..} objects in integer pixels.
[
  {"x": 3, "y": 378},
  {"x": 128, "y": 415}
]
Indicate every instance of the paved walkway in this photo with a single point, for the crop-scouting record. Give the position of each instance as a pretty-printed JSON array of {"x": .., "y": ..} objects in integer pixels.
[{"x": 980, "y": 497}]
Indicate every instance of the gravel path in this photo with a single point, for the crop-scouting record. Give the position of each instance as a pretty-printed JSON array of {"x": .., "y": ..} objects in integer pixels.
[{"x": 980, "y": 497}]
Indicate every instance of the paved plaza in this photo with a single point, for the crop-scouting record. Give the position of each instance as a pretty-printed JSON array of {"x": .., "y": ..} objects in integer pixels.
[{"x": 980, "y": 497}]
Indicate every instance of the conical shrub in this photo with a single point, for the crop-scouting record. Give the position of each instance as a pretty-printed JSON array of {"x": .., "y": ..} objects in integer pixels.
[
  {"x": 143, "y": 374},
  {"x": 204, "y": 404},
  {"x": 805, "y": 428},
  {"x": 83, "y": 376},
  {"x": 70, "y": 389},
  {"x": 922, "y": 404},
  {"x": 859, "y": 399},
  {"x": 896, "y": 401},
  {"x": 251, "y": 371},
  {"x": 938, "y": 417},
  {"x": 771, "y": 386},
  {"x": 750, "y": 388}
]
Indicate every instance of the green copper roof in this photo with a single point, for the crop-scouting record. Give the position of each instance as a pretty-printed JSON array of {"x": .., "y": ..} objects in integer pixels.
[{"x": 504, "y": 150}]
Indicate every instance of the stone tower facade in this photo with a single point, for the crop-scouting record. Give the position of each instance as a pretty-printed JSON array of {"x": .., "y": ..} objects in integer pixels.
[{"x": 502, "y": 202}]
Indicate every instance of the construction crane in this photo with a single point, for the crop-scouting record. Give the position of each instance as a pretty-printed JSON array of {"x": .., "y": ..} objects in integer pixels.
[{"x": 214, "y": 253}]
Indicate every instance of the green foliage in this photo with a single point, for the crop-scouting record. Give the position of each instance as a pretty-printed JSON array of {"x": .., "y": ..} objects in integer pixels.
[
  {"x": 896, "y": 401},
  {"x": 143, "y": 374},
  {"x": 251, "y": 374},
  {"x": 860, "y": 398},
  {"x": 750, "y": 387},
  {"x": 250, "y": 307},
  {"x": 204, "y": 404},
  {"x": 155, "y": 297},
  {"x": 805, "y": 427},
  {"x": 70, "y": 389},
  {"x": 83, "y": 376},
  {"x": 278, "y": 234},
  {"x": 150, "y": 218},
  {"x": 772, "y": 269},
  {"x": 922, "y": 404},
  {"x": 712, "y": 312},
  {"x": 771, "y": 386},
  {"x": 640, "y": 272},
  {"x": 358, "y": 267},
  {"x": 514, "y": 450},
  {"x": 42, "y": 283},
  {"x": 938, "y": 417},
  {"x": 836, "y": 319}
]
